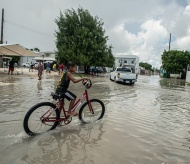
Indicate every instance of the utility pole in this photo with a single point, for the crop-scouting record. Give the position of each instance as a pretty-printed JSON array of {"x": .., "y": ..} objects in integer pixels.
[
  {"x": 169, "y": 41},
  {"x": 168, "y": 73},
  {"x": 2, "y": 21}
]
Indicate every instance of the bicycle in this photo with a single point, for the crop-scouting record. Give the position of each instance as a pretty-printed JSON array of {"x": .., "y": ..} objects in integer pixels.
[{"x": 46, "y": 116}]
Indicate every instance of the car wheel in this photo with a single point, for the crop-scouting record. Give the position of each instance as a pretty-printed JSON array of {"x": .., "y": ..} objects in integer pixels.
[{"x": 115, "y": 80}]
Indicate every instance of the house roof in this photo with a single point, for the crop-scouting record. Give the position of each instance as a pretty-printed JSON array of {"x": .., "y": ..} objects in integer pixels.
[{"x": 15, "y": 50}]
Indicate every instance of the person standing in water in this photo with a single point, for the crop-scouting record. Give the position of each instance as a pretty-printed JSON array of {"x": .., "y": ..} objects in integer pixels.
[{"x": 40, "y": 70}]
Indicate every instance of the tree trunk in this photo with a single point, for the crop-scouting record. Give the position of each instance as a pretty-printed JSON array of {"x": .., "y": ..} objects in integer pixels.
[{"x": 86, "y": 69}]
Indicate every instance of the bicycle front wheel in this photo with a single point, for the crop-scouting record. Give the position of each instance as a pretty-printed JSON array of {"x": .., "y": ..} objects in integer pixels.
[
  {"x": 91, "y": 111},
  {"x": 41, "y": 118}
]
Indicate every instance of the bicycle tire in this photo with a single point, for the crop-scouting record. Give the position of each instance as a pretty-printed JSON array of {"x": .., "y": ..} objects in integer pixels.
[
  {"x": 86, "y": 116},
  {"x": 36, "y": 110}
]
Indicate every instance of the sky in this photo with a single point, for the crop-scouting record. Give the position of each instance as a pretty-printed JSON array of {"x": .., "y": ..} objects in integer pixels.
[{"x": 134, "y": 27}]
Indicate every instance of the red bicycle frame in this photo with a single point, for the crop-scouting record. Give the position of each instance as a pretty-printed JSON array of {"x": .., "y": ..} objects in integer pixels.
[{"x": 60, "y": 104}]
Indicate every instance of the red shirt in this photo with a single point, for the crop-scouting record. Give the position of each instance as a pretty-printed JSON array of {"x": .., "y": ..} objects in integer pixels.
[{"x": 61, "y": 66}]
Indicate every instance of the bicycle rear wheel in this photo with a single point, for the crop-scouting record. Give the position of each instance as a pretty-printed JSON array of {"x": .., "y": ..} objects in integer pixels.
[
  {"x": 86, "y": 115},
  {"x": 41, "y": 118}
]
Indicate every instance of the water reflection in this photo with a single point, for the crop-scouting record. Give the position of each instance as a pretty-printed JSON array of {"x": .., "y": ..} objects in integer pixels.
[
  {"x": 39, "y": 86},
  {"x": 69, "y": 145}
]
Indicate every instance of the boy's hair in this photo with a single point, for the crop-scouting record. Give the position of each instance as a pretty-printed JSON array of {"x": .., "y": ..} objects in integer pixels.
[{"x": 70, "y": 64}]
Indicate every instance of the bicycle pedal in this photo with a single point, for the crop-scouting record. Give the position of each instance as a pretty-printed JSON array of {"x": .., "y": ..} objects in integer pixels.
[
  {"x": 69, "y": 119},
  {"x": 60, "y": 123}
]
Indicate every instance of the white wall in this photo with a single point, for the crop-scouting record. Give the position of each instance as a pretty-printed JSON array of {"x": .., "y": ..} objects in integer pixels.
[
  {"x": 175, "y": 75},
  {"x": 108, "y": 69},
  {"x": 25, "y": 59},
  {"x": 188, "y": 74}
]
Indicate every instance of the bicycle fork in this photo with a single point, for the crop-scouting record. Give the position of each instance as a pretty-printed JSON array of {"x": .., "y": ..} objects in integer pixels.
[
  {"x": 90, "y": 107},
  {"x": 89, "y": 103}
]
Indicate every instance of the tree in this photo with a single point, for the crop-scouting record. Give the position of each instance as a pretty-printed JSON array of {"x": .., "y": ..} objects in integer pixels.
[
  {"x": 36, "y": 49},
  {"x": 175, "y": 61},
  {"x": 146, "y": 66},
  {"x": 81, "y": 38}
]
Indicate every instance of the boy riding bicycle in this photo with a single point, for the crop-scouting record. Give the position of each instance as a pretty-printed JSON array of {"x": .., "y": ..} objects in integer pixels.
[{"x": 64, "y": 84}]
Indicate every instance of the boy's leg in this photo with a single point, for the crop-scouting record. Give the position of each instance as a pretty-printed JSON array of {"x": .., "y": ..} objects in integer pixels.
[
  {"x": 40, "y": 77},
  {"x": 12, "y": 69},
  {"x": 72, "y": 102},
  {"x": 60, "y": 107},
  {"x": 71, "y": 97}
]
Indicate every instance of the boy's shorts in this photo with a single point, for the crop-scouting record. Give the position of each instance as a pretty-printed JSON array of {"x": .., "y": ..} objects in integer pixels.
[{"x": 69, "y": 95}]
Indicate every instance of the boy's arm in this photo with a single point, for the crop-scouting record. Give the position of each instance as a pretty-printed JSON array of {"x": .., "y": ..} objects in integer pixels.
[{"x": 69, "y": 75}]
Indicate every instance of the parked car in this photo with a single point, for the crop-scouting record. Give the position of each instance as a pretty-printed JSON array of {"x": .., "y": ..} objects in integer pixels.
[
  {"x": 124, "y": 75},
  {"x": 36, "y": 64},
  {"x": 27, "y": 64},
  {"x": 95, "y": 70},
  {"x": 48, "y": 61}
]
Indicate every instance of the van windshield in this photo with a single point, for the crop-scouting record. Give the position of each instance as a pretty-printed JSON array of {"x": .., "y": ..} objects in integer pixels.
[{"x": 124, "y": 69}]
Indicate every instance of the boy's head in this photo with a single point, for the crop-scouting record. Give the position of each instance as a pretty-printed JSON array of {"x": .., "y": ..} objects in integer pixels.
[{"x": 71, "y": 66}]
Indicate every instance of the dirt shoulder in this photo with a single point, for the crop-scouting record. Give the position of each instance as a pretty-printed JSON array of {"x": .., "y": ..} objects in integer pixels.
[{"x": 25, "y": 72}]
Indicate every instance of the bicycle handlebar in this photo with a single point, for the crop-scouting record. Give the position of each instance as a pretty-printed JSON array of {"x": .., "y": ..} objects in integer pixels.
[{"x": 86, "y": 82}]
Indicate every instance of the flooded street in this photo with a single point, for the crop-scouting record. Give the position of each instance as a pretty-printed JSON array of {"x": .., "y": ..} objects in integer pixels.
[{"x": 145, "y": 123}]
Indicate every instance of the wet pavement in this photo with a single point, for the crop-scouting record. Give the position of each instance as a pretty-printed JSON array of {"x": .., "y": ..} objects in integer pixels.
[{"x": 145, "y": 123}]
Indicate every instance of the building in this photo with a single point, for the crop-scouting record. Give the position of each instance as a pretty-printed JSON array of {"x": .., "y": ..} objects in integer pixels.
[
  {"x": 45, "y": 56},
  {"x": 143, "y": 71},
  {"x": 42, "y": 56},
  {"x": 15, "y": 50},
  {"x": 131, "y": 61}
]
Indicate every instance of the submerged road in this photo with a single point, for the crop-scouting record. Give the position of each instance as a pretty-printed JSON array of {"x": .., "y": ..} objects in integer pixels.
[{"x": 145, "y": 123}]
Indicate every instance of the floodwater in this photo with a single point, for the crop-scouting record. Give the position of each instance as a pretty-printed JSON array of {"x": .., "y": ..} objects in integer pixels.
[{"x": 145, "y": 123}]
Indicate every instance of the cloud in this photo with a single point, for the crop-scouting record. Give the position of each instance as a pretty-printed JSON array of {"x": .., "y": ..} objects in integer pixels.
[
  {"x": 183, "y": 43},
  {"x": 153, "y": 35},
  {"x": 146, "y": 44}
]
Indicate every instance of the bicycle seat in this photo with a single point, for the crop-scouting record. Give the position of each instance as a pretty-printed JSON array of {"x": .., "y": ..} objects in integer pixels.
[{"x": 57, "y": 96}]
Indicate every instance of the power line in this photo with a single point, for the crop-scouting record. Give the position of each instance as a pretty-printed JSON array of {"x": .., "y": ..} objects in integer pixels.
[{"x": 28, "y": 28}]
